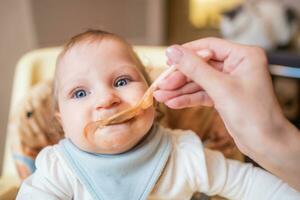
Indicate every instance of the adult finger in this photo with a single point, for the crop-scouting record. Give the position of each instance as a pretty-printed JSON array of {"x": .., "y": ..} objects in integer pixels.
[
  {"x": 177, "y": 78},
  {"x": 200, "y": 98},
  {"x": 194, "y": 67},
  {"x": 205, "y": 54},
  {"x": 164, "y": 95},
  {"x": 220, "y": 48}
]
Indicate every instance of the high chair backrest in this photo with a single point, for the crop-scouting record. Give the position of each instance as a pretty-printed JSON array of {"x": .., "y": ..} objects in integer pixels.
[{"x": 39, "y": 65}]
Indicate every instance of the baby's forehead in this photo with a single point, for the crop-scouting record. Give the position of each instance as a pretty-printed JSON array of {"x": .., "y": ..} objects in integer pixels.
[
  {"x": 95, "y": 45},
  {"x": 99, "y": 41},
  {"x": 82, "y": 51}
]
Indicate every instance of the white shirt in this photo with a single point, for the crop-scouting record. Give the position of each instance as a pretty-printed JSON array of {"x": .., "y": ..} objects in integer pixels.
[{"x": 190, "y": 168}]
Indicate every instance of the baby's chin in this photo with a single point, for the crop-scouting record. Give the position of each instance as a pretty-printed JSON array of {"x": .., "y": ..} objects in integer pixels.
[{"x": 115, "y": 139}]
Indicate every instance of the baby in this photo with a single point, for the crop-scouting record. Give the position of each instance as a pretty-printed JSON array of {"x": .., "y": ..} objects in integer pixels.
[{"x": 98, "y": 75}]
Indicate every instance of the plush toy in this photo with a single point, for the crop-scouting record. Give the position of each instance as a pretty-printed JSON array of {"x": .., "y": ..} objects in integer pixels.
[{"x": 35, "y": 127}]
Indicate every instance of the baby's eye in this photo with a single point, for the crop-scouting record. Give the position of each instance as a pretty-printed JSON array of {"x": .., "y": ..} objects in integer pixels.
[
  {"x": 79, "y": 94},
  {"x": 121, "y": 82}
]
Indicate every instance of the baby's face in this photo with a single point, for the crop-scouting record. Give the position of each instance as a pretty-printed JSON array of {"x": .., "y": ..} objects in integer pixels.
[{"x": 96, "y": 80}]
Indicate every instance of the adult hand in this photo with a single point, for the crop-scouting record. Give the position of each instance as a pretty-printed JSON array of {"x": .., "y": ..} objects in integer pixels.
[{"x": 236, "y": 81}]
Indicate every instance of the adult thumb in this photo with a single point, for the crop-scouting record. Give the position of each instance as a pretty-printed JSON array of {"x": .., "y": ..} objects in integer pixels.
[{"x": 195, "y": 67}]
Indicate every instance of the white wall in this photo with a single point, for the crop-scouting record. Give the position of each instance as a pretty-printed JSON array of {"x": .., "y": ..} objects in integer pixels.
[{"x": 16, "y": 37}]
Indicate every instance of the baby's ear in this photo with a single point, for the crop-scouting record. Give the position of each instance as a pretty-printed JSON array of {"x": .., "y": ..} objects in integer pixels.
[{"x": 57, "y": 116}]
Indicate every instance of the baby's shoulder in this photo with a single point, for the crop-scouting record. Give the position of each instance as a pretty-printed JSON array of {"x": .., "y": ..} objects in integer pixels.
[
  {"x": 47, "y": 155},
  {"x": 51, "y": 165},
  {"x": 49, "y": 159}
]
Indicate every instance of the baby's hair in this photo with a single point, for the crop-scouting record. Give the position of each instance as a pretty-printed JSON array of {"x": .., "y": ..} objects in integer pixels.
[{"x": 90, "y": 36}]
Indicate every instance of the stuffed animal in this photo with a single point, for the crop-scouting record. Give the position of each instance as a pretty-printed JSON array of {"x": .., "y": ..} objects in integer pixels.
[{"x": 35, "y": 127}]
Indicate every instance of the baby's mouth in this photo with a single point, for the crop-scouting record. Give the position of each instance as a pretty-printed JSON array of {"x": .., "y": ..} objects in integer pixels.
[
  {"x": 93, "y": 126},
  {"x": 120, "y": 122}
]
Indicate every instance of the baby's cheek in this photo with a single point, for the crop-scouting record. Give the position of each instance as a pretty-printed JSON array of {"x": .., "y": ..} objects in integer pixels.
[
  {"x": 147, "y": 118},
  {"x": 74, "y": 125},
  {"x": 135, "y": 94}
]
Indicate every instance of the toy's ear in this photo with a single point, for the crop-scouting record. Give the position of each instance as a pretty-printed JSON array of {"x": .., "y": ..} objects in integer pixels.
[{"x": 57, "y": 116}]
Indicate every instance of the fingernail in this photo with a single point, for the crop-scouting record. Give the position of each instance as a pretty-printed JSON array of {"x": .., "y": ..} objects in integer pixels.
[{"x": 174, "y": 54}]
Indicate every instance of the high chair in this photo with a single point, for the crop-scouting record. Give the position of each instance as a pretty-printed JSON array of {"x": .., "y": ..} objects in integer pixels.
[{"x": 37, "y": 66}]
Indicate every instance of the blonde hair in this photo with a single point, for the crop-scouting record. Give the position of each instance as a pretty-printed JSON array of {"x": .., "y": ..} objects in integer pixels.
[{"x": 92, "y": 35}]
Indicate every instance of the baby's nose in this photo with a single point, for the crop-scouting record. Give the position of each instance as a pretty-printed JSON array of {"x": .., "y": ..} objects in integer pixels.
[{"x": 107, "y": 100}]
